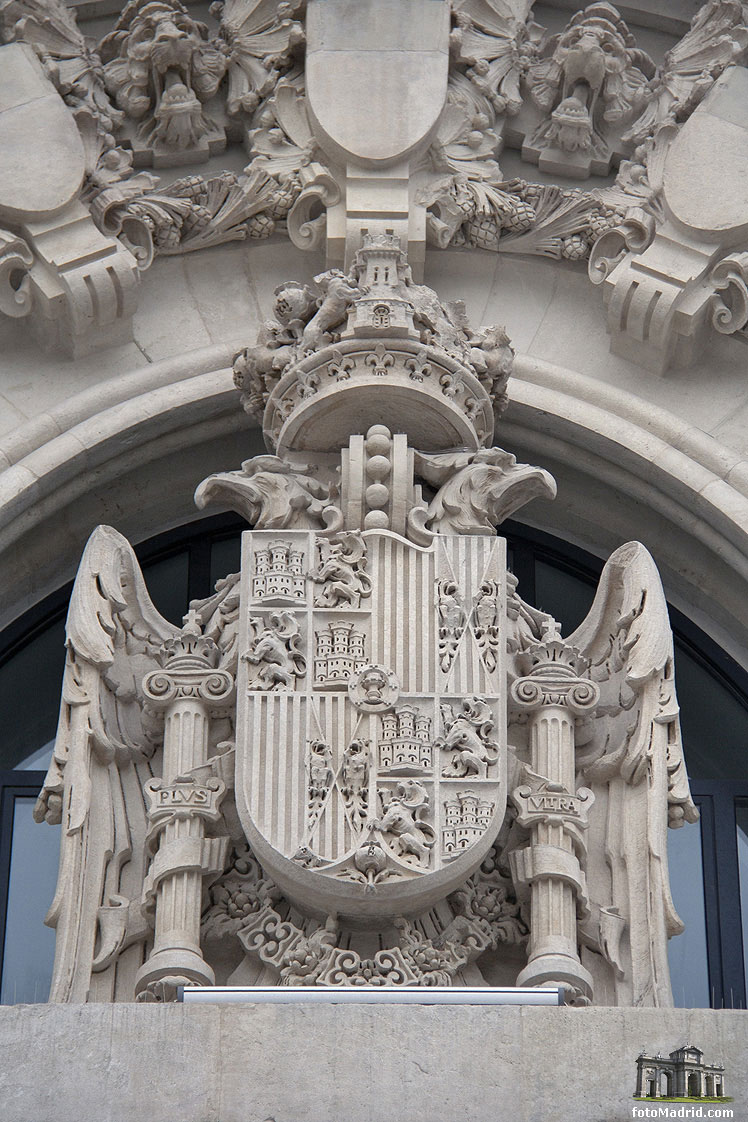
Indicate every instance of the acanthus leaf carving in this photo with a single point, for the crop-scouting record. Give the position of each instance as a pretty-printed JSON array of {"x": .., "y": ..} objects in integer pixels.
[
  {"x": 260, "y": 40},
  {"x": 498, "y": 43},
  {"x": 717, "y": 38}
]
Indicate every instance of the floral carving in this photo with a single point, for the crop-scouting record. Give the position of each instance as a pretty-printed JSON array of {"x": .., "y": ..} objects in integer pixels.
[
  {"x": 497, "y": 42},
  {"x": 487, "y": 912},
  {"x": 717, "y": 38},
  {"x": 69, "y": 59}
]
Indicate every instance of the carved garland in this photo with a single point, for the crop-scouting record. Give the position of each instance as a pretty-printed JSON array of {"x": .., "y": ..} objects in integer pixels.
[{"x": 580, "y": 99}]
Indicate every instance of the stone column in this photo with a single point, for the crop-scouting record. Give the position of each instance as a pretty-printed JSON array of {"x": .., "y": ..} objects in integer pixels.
[
  {"x": 188, "y": 690},
  {"x": 554, "y": 694}
]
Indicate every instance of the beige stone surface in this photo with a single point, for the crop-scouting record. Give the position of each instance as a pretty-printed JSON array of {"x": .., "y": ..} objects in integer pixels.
[
  {"x": 42, "y": 165},
  {"x": 335, "y": 1063}
]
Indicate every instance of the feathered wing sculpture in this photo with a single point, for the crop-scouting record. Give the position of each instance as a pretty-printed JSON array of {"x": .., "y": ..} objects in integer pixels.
[
  {"x": 630, "y": 754},
  {"x": 107, "y": 747}
]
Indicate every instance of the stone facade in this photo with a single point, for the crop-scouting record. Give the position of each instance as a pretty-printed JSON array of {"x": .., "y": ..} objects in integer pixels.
[{"x": 493, "y": 808}]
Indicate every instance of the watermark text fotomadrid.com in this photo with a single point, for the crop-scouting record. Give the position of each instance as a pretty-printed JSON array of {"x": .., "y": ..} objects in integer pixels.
[{"x": 671, "y": 1110}]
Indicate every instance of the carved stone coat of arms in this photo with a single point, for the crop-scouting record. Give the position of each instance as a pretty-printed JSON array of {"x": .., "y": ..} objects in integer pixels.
[
  {"x": 365, "y": 760},
  {"x": 371, "y": 725}
]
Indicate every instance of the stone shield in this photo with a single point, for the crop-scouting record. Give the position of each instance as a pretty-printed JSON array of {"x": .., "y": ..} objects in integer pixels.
[
  {"x": 371, "y": 718},
  {"x": 376, "y": 87},
  {"x": 47, "y": 164}
]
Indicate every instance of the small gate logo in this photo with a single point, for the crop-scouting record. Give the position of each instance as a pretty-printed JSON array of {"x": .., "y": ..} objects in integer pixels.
[{"x": 682, "y": 1076}]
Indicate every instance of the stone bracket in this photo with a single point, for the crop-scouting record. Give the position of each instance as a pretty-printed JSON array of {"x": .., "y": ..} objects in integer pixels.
[
  {"x": 665, "y": 290},
  {"x": 77, "y": 286}
]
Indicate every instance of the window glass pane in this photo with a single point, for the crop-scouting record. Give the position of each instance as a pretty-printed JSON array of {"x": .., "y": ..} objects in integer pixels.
[
  {"x": 38, "y": 760},
  {"x": 714, "y": 722},
  {"x": 689, "y": 973},
  {"x": 741, "y": 814},
  {"x": 566, "y": 597},
  {"x": 225, "y": 558},
  {"x": 30, "y": 684},
  {"x": 29, "y": 945},
  {"x": 167, "y": 585}
]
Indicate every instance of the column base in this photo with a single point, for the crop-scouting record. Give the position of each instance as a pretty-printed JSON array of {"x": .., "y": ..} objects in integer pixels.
[
  {"x": 559, "y": 970},
  {"x": 176, "y": 963}
]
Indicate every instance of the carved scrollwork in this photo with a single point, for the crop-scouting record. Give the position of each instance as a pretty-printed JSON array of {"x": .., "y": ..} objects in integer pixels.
[
  {"x": 16, "y": 259},
  {"x": 307, "y": 219},
  {"x": 634, "y": 235},
  {"x": 730, "y": 301}
]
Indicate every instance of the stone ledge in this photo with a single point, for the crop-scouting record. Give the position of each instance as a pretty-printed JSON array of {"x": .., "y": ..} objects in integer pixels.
[{"x": 231, "y": 1063}]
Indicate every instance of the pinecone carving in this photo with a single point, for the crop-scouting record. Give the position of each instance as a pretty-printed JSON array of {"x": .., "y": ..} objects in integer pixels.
[
  {"x": 260, "y": 226},
  {"x": 285, "y": 196},
  {"x": 484, "y": 231}
]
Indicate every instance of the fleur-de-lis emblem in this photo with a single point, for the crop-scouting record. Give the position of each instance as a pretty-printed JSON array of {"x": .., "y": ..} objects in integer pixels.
[
  {"x": 450, "y": 384},
  {"x": 308, "y": 383},
  {"x": 380, "y": 360},
  {"x": 419, "y": 367},
  {"x": 340, "y": 366}
]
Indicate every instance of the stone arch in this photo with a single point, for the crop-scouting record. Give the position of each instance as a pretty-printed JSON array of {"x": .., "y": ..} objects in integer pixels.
[{"x": 95, "y": 458}]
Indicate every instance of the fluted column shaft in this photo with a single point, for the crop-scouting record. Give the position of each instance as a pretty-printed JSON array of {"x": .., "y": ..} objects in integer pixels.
[
  {"x": 554, "y": 695},
  {"x": 188, "y": 689}
]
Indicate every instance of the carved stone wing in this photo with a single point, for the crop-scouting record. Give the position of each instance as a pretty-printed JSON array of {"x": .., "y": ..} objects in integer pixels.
[
  {"x": 631, "y": 755},
  {"x": 94, "y": 787},
  {"x": 478, "y": 490}
]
